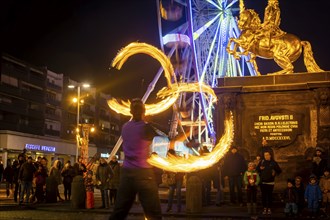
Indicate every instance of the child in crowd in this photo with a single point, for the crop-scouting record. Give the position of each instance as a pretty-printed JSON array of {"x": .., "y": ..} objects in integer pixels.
[
  {"x": 251, "y": 179},
  {"x": 40, "y": 180},
  {"x": 313, "y": 196},
  {"x": 301, "y": 192},
  {"x": 89, "y": 190},
  {"x": 325, "y": 187},
  {"x": 257, "y": 160},
  {"x": 290, "y": 197}
]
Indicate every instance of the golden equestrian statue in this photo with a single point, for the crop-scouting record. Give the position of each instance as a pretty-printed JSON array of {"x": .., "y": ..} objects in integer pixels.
[{"x": 268, "y": 41}]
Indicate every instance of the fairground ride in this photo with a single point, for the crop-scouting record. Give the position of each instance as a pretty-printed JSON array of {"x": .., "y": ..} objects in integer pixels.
[{"x": 195, "y": 34}]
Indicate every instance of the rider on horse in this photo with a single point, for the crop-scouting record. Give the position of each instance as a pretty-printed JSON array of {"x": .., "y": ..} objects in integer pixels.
[{"x": 270, "y": 27}]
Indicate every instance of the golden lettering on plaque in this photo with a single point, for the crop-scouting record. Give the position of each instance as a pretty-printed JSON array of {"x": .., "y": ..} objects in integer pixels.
[{"x": 279, "y": 128}]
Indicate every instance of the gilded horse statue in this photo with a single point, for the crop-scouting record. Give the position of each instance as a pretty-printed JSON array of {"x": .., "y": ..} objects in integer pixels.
[{"x": 267, "y": 41}]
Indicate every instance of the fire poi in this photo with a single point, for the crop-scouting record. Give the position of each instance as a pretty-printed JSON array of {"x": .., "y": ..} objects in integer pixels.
[{"x": 168, "y": 96}]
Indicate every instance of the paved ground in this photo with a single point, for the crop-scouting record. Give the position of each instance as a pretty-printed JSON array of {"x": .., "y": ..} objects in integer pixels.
[{"x": 63, "y": 211}]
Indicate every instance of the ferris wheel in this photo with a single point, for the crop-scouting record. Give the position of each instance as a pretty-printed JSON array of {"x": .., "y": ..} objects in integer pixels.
[{"x": 195, "y": 34}]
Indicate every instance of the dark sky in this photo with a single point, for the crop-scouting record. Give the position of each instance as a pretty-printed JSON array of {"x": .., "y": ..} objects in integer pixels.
[{"x": 80, "y": 37}]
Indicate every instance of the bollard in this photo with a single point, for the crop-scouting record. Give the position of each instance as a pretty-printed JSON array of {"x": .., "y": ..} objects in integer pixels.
[
  {"x": 194, "y": 195},
  {"x": 78, "y": 193},
  {"x": 89, "y": 200}
]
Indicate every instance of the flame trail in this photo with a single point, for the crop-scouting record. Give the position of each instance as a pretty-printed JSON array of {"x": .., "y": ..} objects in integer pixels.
[
  {"x": 168, "y": 94},
  {"x": 195, "y": 163}
]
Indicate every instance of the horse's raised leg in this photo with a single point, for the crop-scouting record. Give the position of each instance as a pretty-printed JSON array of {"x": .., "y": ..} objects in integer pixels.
[
  {"x": 234, "y": 50},
  {"x": 285, "y": 63},
  {"x": 254, "y": 63},
  {"x": 231, "y": 51}
]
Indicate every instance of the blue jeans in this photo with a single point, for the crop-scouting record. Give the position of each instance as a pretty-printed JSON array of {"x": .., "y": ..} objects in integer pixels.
[
  {"x": 235, "y": 182},
  {"x": 313, "y": 205},
  {"x": 176, "y": 187},
  {"x": 26, "y": 186},
  {"x": 143, "y": 183},
  {"x": 291, "y": 207}
]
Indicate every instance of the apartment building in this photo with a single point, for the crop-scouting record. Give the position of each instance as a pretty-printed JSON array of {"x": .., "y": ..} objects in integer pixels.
[{"x": 37, "y": 114}]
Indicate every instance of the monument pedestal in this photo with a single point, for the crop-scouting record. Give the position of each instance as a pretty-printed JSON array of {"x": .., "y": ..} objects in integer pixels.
[{"x": 292, "y": 112}]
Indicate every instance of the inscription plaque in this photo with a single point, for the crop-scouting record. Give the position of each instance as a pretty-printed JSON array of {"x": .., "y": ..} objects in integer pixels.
[{"x": 278, "y": 128}]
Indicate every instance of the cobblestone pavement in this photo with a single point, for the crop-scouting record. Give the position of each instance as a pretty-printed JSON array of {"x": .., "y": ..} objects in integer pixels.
[
  {"x": 55, "y": 215},
  {"x": 63, "y": 211},
  {"x": 47, "y": 215}
]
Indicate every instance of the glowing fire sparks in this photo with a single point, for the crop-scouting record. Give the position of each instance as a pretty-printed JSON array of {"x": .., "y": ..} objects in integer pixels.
[
  {"x": 168, "y": 94},
  {"x": 151, "y": 109},
  {"x": 195, "y": 163}
]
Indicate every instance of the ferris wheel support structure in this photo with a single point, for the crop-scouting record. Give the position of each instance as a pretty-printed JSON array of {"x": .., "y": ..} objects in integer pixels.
[{"x": 199, "y": 30}]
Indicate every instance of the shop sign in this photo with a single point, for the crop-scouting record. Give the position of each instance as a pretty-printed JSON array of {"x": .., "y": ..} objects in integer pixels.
[{"x": 40, "y": 147}]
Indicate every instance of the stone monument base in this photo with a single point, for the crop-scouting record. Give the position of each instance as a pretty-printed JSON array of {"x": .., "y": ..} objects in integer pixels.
[{"x": 292, "y": 112}]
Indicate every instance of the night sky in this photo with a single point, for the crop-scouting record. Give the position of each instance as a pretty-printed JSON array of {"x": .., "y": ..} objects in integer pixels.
[{"x": 79, "y": 38}]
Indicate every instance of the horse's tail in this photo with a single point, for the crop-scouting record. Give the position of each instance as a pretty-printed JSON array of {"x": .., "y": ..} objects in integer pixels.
[{"x": 309, "y": 60}]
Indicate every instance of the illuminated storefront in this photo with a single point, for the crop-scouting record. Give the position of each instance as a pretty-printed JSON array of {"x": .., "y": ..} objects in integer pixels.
[{"x": 13, "y": 143}]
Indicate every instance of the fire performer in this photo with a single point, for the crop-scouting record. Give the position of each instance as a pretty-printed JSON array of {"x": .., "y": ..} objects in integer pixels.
[{"x": 137, "y": 176}]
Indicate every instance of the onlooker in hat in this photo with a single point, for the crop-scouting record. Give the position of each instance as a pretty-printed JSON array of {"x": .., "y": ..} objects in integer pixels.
[
  {"x": 290, "y": 198},
  {"x": 234, "y": 168},
  {"x": 103, "y": 176},
  {"x": 251, "y": 180},
  {"x": 319, "y": 163},
  {"x": 313, "y": 196},
  {"x": 325, "y": 187},
  {"x": 268, "y": 169},
  {"x": 301, "y": 192},
  {"x": 23, "y": 155},
  {"x": 25, "y": 178}
]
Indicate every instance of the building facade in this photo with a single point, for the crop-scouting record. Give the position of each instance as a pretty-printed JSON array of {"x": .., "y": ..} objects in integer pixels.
[{"x": 37, "y": 114}]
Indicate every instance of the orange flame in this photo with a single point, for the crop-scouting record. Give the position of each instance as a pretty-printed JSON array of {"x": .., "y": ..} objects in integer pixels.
[
  {"x": 168, "y": 94},
  {"x": 195, "y": 163}
]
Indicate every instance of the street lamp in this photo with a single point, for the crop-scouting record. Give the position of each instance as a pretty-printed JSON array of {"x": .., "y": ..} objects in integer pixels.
[{"x": 78, "y": 86}]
